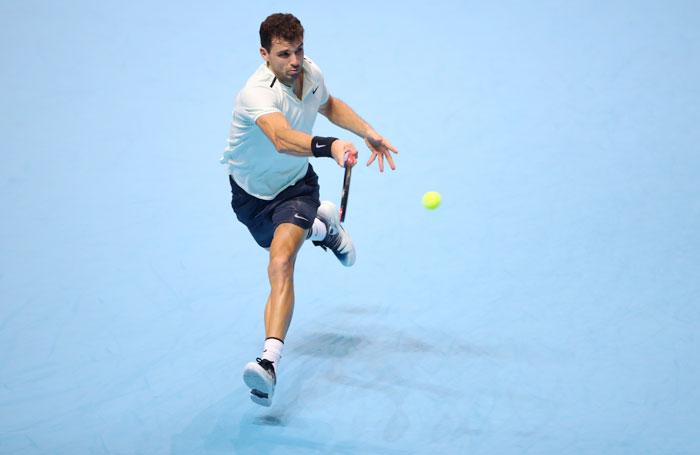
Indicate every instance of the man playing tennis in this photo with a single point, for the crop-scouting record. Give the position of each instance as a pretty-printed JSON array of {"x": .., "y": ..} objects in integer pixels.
[{"x": 275, "y": 190}]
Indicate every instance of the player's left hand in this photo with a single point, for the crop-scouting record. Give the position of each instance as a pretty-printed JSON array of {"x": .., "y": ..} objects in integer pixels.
[{"x": 380, "y": 148}]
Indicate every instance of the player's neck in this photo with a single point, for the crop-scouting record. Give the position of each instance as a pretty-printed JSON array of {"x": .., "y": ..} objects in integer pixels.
[{"x": 299, "y": 85}]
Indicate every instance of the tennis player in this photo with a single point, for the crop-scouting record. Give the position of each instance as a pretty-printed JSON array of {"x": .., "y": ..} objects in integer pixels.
[{"x": 275, "y": 190}]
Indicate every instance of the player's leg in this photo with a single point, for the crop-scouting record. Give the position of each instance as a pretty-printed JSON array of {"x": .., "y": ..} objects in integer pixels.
[
  {"x": 286, "y": 242},
  {"x": 261, "y": 376}
]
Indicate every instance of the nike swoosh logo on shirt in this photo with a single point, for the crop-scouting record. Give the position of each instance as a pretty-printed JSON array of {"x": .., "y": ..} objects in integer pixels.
[
  {"x": 296, "y": 215},
  {"x": 314, "y": 90}
]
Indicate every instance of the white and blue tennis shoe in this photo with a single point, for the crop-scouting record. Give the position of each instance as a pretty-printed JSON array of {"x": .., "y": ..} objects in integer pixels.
[{"x": 337, "y": 238}]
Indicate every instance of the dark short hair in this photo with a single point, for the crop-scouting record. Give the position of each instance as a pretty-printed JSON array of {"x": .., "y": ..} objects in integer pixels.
[{"x": 280, "y": 25}]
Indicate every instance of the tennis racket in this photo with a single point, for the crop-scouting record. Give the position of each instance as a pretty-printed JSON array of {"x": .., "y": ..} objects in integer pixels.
[{"x": 346, "y": 190}]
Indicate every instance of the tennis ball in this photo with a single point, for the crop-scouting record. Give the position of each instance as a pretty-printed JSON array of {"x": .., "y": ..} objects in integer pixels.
[{"x": 431, "y": 200}]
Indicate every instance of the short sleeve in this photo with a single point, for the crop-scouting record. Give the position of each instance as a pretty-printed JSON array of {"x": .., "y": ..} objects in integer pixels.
[{"x": 254, "y": 102}]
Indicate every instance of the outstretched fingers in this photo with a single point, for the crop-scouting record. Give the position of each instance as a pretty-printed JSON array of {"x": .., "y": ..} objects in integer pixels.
[
  {"x": 391, "y": 160},
  {"x": 372, "y": 157},
  {"x": 380, "y": 150},
  {"x": 389, "y": 146},
  {"x": 380, "y": 159}
]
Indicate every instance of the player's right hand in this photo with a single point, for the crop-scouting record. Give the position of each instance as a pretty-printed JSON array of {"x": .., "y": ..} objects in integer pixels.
[{"x": 343, "y": 151}]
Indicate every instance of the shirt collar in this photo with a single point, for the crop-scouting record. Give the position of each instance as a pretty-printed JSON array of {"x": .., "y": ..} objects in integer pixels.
[{"x": 309, "y": 80}]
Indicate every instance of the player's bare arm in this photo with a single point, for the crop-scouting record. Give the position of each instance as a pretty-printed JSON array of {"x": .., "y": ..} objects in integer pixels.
[
  {"x": 339, "y": 113},
  {"x": 293, "y": 142}
]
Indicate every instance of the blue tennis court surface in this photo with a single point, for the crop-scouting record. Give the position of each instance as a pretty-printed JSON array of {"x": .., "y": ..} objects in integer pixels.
[{"x": 550, "y": 305}]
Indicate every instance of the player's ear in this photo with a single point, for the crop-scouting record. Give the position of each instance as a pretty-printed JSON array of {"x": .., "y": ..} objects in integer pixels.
[{"x": 264, "y": 54}]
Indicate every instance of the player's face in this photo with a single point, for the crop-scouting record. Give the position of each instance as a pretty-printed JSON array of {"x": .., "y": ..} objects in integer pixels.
[{"x": 284, "y": 59}]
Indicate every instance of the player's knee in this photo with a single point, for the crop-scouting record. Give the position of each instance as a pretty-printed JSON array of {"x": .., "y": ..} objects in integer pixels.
[{"x": 281, "y": 266}]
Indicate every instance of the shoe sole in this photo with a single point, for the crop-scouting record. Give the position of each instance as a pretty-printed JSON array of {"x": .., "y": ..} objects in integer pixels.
[
  {"x": 260, "y": 400},
  {"x": 348, "y": 260},
  {"x": 261, "y": 391}
]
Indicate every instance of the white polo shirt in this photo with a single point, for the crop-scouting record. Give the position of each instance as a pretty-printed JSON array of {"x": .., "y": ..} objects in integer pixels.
[{"x": 253, "y": 162}]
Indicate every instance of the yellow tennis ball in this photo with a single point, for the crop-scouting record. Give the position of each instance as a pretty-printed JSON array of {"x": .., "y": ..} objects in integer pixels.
[{"x": 431, "y": 200}]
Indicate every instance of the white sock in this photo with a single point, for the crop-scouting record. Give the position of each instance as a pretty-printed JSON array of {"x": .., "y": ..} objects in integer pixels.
[
  {"x": 318, "y": 230},
  {"x": 272, "y": 350}
]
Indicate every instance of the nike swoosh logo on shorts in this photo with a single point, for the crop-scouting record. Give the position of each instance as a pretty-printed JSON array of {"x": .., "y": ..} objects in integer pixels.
[
  {"x": 314, "y": 90},
  {"x": 296, "y": 215}
]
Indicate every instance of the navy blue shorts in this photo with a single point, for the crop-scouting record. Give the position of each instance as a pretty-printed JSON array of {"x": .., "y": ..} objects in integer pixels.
[{"x": 296, "y": 205}]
